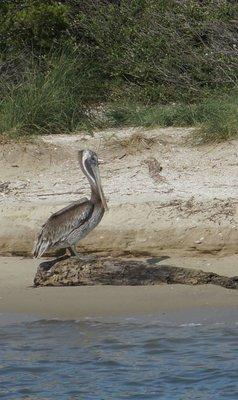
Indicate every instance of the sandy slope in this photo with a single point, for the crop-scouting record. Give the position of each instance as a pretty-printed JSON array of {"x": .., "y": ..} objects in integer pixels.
[{"x": 190, "y": 206}]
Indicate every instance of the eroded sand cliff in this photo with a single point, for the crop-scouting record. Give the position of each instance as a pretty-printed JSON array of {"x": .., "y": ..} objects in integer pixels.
[{"x": 189, "y": 206}]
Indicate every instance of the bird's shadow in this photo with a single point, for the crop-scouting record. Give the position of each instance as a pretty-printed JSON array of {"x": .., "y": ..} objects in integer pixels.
[
  {"x": 46, "y": 265},
  {"x": 156, "y": 260}
]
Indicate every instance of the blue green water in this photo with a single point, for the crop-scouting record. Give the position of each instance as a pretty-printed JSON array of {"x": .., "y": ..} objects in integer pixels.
[{"x": 133, "y": 358}]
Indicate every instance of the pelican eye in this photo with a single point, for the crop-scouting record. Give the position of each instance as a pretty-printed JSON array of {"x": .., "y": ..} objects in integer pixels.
[{"x": 94, "y": 160}]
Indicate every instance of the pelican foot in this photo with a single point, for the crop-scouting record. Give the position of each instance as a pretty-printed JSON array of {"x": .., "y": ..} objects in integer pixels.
[
  {"x": 86, "y": 257},
  {"x": 80, "y": 257}
]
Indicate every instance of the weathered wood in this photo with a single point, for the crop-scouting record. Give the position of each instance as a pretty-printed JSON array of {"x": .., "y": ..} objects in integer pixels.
[{"x": 108, "y": 271}]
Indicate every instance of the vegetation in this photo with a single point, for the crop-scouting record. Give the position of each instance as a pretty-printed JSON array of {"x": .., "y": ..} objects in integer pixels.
[
  {"x": 139, "y": 62},
  {"x": 216, "y": 116}
]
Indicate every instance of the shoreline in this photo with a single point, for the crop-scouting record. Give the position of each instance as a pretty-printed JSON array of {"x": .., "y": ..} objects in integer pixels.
[{"x": 19, "y": 297}]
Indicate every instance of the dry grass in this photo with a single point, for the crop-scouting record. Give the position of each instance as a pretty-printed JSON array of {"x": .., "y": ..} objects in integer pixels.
[{"x": 137, "y": 142}]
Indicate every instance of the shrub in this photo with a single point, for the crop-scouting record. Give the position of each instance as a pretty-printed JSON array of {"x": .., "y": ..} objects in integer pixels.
[
  {"x": 161, "y": 51},
  {"x": 167, "y": 59},
  {"x": 33, "y": 24}
]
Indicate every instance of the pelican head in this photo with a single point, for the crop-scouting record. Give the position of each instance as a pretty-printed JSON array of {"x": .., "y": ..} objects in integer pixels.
[{"x": 89, "y": 163}]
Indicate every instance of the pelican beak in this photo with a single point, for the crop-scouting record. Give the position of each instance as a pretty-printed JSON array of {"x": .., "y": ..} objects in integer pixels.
[{"x": 99, "y": 185}]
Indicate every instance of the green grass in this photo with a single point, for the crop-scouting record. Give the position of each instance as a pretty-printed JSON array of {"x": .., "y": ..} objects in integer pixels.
[
  {"x": 149, "y": 116},
  {"x": 53, "y": 98},
  {"x": 44, "y": 101},
  {"x": 216, "y": 117}
]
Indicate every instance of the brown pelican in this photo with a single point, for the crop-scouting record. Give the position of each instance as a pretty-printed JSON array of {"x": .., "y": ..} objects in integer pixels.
[{"x": 66, "y": 227}]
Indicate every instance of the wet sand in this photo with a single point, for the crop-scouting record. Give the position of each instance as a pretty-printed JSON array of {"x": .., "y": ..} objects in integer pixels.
[{"x": 18, "y": 296}]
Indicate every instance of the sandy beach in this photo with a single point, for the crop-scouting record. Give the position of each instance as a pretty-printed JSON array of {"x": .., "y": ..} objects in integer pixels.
[
  {"x": 18, "y": 296},
  {"x": 187, "y": 211}
]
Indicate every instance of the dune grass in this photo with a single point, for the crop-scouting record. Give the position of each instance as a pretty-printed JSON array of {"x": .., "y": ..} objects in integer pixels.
[
  {"x": 53, "y": 98},
  {"x": 44, "y": 101},
  {"x": 216, "y": 117},
  {"x": 51, "y": 102}
]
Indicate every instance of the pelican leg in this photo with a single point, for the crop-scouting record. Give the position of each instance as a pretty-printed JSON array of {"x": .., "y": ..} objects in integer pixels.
[
  {"x": 61, "y": 252},
  {"x": 73, "y": 251},
  {"x": 82, "y": 257}
]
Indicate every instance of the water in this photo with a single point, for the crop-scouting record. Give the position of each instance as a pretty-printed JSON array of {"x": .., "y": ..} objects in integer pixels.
[{"x": 135, "y": 358}]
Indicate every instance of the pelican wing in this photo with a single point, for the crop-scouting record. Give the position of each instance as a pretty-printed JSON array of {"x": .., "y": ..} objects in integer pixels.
[{"x": 60, "y": 224}]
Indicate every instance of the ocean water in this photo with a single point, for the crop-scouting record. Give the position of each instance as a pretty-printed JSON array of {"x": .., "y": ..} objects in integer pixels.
[{"x": 126, "y": 358}]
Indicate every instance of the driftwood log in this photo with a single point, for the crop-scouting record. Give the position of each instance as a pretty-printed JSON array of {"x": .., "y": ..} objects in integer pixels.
[{"x": 109, "y": 271}]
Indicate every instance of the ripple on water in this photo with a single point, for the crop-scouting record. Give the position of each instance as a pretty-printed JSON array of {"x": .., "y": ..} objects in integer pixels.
[{"x": 126, "y": 359}]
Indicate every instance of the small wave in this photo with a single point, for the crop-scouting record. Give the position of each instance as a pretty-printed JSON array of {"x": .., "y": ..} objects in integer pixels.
[{"x": 119, "y": 358}]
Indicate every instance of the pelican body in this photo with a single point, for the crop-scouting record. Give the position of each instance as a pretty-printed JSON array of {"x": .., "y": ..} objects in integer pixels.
[{"x": 67, "y": 226}]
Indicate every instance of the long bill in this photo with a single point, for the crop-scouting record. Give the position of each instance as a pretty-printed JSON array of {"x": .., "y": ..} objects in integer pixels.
[{"x": 99, "y": 186}]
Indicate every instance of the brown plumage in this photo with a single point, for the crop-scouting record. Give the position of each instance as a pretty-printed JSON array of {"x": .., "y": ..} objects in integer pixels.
[{"x": 67, "y": 226}]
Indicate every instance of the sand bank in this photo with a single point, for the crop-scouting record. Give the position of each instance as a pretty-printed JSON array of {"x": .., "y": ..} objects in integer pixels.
[
  {"x": 189, "y": 206},
  {"x": 18, "y": 296}
]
